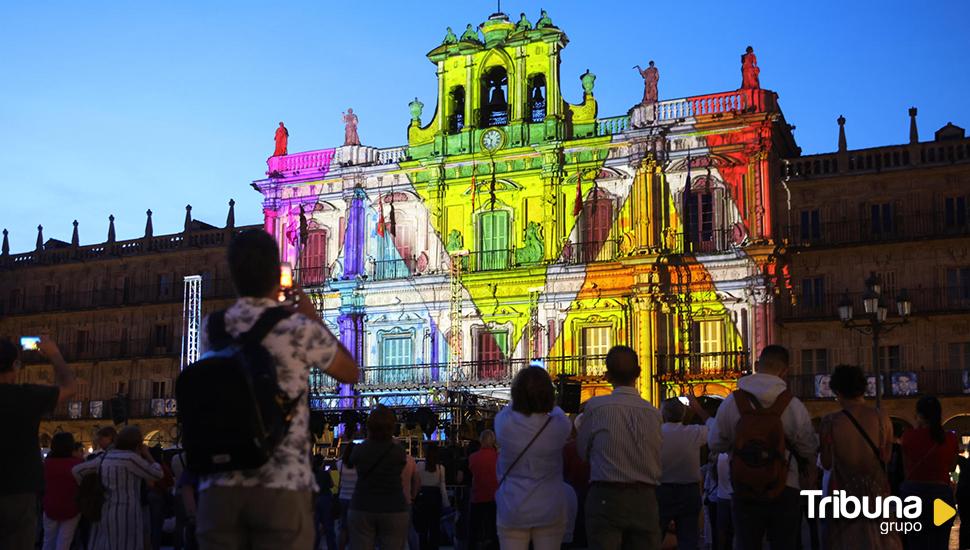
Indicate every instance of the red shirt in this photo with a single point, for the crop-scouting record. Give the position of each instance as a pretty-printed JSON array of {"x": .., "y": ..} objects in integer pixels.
[
  {"x": 924, "y": 459},
  {"x": 61, "y": 489},
  {"x": 482, "y": 464}
]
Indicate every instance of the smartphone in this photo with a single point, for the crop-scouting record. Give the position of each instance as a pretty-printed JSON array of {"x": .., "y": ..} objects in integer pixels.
[
  {"x": 29, "y": 343},
  {"x": 286, "y": 276}
]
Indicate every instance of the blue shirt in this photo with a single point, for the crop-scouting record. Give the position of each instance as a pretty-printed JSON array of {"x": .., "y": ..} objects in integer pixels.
[{"x": 532, "y": 494}]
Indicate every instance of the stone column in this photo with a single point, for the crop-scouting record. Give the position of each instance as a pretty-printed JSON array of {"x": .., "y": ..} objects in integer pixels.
[{"x": 355, "y": 238}]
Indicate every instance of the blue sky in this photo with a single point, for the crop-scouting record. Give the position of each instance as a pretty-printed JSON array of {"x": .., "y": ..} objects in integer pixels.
[{"x": 114, "y": 108}]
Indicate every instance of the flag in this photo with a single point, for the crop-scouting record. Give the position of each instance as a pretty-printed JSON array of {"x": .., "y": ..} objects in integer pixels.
[
  {"x": 380, "y": 216},
  {"x": 392, "y": 219},
  {"x": 686, "y": 207},
  {"x": 578, "y": 205},
  {"x": 474, "y": 186}
]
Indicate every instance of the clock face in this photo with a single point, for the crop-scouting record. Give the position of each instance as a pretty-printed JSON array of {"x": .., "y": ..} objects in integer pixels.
[{"x": 492, "y": 139}]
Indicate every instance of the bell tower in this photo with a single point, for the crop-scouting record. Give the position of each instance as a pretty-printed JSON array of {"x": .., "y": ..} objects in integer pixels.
[{"x": 504, "y": 75}]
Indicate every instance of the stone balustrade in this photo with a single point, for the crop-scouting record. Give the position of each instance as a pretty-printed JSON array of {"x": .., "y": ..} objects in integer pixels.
[
  {"x": 307, "y": 163},
  {"x": 878, "y": 159}
]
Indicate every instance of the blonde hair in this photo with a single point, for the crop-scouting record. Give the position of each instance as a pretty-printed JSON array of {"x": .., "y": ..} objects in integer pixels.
[{"x": 487, "y": 438}]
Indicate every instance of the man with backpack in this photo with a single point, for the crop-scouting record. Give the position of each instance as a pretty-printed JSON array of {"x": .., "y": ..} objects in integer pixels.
[
  {"x": 769, "y": 436},
  {"x": 253, "y": 452}
]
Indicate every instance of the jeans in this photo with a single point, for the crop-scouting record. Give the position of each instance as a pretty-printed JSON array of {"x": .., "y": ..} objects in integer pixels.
[
  {"x": 255, "y": 518},
  {"x": 622, "y": 516},
  {"x": 779, "y": 519},
  {"x": 156, "y": 517},
  {"x": 369, "y": 528},
  {"x": 725, "y": 526},
  {"x": 323, "y": 521},
  {"x": 482, "y": 533},
  {"x": 59, "y": 534},
  {"x": 427, "y": 518},
  {"x": 18, "y": 521},
  {"x": 680, "y": 502},
  {"x": 930, "y": 537}
]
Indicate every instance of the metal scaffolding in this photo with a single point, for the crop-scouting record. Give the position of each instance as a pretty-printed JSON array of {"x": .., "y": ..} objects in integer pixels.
[
  {"x": 191, "y": 319},
  {"x": 457, "y": 297}
]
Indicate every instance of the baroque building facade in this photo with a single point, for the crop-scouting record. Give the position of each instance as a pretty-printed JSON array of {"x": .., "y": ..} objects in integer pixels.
[
  {"x": 116, "y": 310},
  {"x": 517, "y": 228}
]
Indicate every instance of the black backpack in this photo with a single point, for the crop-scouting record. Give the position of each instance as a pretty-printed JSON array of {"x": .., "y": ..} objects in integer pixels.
[{"x": 230, "y": 406}]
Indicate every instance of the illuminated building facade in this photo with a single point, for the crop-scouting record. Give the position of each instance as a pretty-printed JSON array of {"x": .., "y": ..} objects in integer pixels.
[
  {"x": 516, "y": 227},
  {"x": 115, "y": 309}
]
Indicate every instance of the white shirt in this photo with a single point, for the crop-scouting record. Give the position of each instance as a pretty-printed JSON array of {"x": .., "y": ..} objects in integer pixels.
[
  {"x": 724, "y": 489},
  {"x": 680, "y": 452},
  {"x": 297, "y": 344},
  {"x": 620, "y": 437}
]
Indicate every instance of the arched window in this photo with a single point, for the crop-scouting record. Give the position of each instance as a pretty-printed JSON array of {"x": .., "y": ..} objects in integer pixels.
[
  {"x": 313, "y": 259},
  {"x": 456, "y": 120},
  {"x": 537, "y": 98},
  {"x": 495, "y": 93},
  {"x": 597, "y": 217}
]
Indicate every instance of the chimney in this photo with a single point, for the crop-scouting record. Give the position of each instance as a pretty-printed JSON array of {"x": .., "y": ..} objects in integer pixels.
[
  {"x": 913, "y": 132},
  {"x": 111, "y": 228},
  {"x": 75, "y": 241},
  {"x": 842, "y": 143},
  {"x": 231, "y": 217},
  {"x": 149, "y": 231},
  {"x": 188, "y": 217}
]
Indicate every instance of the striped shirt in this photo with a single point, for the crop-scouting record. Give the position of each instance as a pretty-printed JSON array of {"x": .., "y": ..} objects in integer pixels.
[{"x": 620, "y": 437}]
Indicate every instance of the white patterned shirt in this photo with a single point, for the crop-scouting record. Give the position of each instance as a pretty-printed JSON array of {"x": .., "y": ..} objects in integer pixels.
[
  {"x": 297, "y": 345},
  {"x": 620, "y": 436}
]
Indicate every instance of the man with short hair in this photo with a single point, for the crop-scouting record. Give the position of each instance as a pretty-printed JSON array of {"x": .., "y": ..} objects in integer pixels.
[
  {"x": 679, "y": 494},
  {"x": 270, "y": 507},
  {"x": 778, "y": 518},
  {"x": 21, "y": 470},
  {"x": 620, "y": 437},
  {"x": 104, "y": 439}
]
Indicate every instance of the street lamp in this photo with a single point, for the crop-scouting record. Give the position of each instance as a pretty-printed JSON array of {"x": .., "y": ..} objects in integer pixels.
[{"x": 875, "y": 323}]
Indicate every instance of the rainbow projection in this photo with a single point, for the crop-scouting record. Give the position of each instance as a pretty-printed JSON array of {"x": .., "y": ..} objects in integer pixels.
[{"x": 518, "y": 228}]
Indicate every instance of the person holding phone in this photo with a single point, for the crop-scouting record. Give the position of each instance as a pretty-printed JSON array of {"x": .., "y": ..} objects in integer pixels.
[{"x": 21, "y": 407}]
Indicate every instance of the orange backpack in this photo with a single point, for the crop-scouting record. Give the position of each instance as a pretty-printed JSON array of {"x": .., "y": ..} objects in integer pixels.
[{"x": 759, "y": 469}]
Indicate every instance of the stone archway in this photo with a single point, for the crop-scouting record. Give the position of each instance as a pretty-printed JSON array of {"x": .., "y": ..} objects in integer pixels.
[{"x": 961, "y": 425}]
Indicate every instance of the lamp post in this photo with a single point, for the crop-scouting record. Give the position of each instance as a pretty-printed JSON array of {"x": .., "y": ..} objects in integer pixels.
[{"x": 876, "y": 322}]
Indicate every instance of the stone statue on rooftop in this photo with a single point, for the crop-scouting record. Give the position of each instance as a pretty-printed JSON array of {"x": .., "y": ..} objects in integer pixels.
[
  {"x": 282, "y": 136},
  {"x": 523, "y": 24},
  {"x": 544, "y": 20},
  {"x": 470, "y": 34},
  {"x": 750, "y": 70},
  {"x": 450, "y": 37},
  {"x": 650, "y": 78},
  {"x": 350, "y": 128}
]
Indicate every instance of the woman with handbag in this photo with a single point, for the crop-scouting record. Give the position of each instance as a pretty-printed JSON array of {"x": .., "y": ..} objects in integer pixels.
[
  {"x": 431, "y": 499},
  {"x": 61, "y": 513},
  {"x": 120, "y": 472},
  {"x": 378, "y": 509},
  {"x": 531, "y": 431},
  {"x": 929, "y": 455},
  {"x": 856, "y": 443}
]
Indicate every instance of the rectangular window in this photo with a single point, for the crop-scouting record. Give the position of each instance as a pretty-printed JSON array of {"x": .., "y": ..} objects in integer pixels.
[
  {"x": 700, "y": 219},
  {"x": 887, "y": 282},
  {"x": 165, "y": 282},
  {"x": 158, "y": 389},
  {"x": 161, "y": 336},
  {"x": 813, "y": 293},
  {"x": 51, "y": 297},
  {"x": 491, "y": 348},
  {"x": 494, "y": 240},
  {"x": 397, "y": 358},
  {"x": 958, "y": 283},
  {"x": 15, "y": 299},
  {"x": 709, "y": 357},
  {"x": 811, "y": 225},
  {"x": 597, "y": 341},
  {"x": 81, "y": 343},
  {"x": 313, "y": 259},
  {"x": 958, "y": 355},
  {"x": 121, "y": 388},
  {"x": 890, "y": 358},
  {"x": 815, "y": 361},
  {"x": 955, "y": 212},
  {"x": 882, "y": 219}
]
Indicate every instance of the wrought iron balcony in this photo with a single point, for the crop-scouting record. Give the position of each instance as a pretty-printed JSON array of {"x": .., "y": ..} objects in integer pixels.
[
  {"x": 702, "y": 366},
  {"x": 94, "y": 409},
  {"x": 935, "y": 225},
  {"x": 106, "y": 351},
  {"x": 590, "y": 252},
  {"x": 939, "y": 382},
  {"x": 943, "y": 299}
]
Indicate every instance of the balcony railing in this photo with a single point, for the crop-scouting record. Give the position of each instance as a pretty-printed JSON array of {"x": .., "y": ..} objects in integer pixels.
[
  {"x": 308, "y": 162},
  {"x": 590, "y": 252},
  {"x": 113, "y": 297},
  {"x": 490, "y": 260},
  {"x": 903, "y": 228},
  {"x": 939, "y": 382},
  {"x": 107, "y": 351},
  {"x": 393, "y": 269},
  {"x": 924, "y": 301},
  {"x": 94, "y": 409},
  {"x": 711, "y": 365},
  {"x": 311, "y": 276}
]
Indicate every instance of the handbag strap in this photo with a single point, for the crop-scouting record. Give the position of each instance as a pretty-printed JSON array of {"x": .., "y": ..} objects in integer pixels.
[
  {"x": 516, "y": 461},
  {"x": 875, "y": 449},
  {"x": 373, "y": 467}
]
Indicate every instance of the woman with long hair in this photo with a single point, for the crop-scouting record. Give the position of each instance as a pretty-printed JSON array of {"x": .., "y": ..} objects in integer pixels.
[
  {"x": 432, "y": 497},
  {"x": 61, "y": 513},
  {"x": 122, "y": 471},
  {"x": 531, "y": 501},
  {"x": 929, "y": 455},
  {"x": 856, "y": 443}
]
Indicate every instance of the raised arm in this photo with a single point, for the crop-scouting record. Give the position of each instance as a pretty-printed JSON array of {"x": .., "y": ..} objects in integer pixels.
[
  {"x": 323, "y": 349},
  {"x": 63, "y": 375}
]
